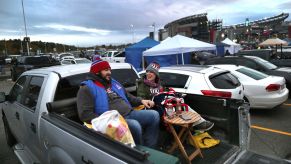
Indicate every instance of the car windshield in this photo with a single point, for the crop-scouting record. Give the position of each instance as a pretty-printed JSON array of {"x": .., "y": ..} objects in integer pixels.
[
  {"x": 252, "y": 73},
  {"x": 82, "y": 61},
  {"x": 267, "y": 64}
]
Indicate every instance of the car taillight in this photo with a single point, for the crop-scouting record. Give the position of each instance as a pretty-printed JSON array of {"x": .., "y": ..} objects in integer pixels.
[
  {"x": 216, "y": 93},
  {"x": 273, "y": 87}
]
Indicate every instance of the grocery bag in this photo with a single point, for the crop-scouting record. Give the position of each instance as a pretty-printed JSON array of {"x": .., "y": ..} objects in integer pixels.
[{"x": 115, "y": 126}]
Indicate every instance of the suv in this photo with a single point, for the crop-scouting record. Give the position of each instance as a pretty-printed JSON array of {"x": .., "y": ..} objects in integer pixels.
[
  {"x": 201, "y": 80},
  {"x": 254, "y": 63},
  {"x": 25, "y": 63}
]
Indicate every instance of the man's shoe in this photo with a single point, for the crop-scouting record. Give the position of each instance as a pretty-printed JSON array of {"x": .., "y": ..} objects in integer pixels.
[{"x": 204, "y": 126}]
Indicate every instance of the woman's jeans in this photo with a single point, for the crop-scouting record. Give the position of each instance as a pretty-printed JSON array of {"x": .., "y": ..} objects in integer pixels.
[{"x": 144, "y": 126}]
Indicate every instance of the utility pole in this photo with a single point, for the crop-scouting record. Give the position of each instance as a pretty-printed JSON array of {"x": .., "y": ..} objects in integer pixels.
[
  {"x": 132, "y": 30},
  {"x": 5, "y": 48},
  {"x": 154, "y": 26},
  {"x": 27, "y": 39}
]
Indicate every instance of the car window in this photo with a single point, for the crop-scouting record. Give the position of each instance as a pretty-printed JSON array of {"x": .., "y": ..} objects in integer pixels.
[
  {"x": 127, "y": 77},
  {"x": 69, "y": 86},
  {"x": 252, "y": 73},
  {"x": 121, "y": 54},
  {"x": 247, "y": 63},
  {"x": 17, "y": 90},
  {"x": 32, "y": 94},
  {"x": 66, "y": 62},
  {"x": 224, "y": 81},
  {"x": 221, "y": 61},
  {"x": 37, "y": 60},
  {"x": 266, "y": 64},
  {"x": 173, "y": 80}
]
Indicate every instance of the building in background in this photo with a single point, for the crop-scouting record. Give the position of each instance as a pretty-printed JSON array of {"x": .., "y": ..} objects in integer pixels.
[
  {"x": 195, "y": 26},
  {"x": 253, "y": 32},
  {"x": 249, "y": 32}
]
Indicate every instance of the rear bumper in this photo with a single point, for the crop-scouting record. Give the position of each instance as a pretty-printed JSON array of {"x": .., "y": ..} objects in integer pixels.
[{"x": 268, "y": 101}]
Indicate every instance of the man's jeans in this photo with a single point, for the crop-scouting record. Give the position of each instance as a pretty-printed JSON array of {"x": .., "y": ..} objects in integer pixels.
[{"x": 144, "y": 126}]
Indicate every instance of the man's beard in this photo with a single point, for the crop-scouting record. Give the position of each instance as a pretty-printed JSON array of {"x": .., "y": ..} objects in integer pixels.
[{"x": 105, "y": 79}]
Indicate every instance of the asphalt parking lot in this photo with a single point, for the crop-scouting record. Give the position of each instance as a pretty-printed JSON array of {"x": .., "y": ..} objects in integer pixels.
[{"x": 271, "y": 131}]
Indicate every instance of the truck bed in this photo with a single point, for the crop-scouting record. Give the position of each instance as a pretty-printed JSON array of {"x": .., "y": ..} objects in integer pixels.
[{"x": 218, "y": 154}]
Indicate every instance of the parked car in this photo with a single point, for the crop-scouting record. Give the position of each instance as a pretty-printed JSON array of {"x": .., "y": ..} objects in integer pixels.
[
  {"x": 114, "y": 56},
  {"x": 61, "y": 56},
  {"x": 277, "y": 58},
  {"x": 260, "y": 90},
  {"x": 75, "y": 61},
  {"x": 256, "y": 63},
  {"x": 25, "y": 63},
  {"x": 10, "y": 57},
  {"x": 201, "y": 80}
]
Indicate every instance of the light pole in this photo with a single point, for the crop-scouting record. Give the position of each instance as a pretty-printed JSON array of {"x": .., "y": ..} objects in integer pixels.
[
  {"x": 132, "y": 30},
  {"x": 27, "y": 46},
  {"x": 21, "y": 47},
  {"x": 5, "y": 48},
  {"x": 154, "y": 26},
  {"x": 44, "y": 47}
]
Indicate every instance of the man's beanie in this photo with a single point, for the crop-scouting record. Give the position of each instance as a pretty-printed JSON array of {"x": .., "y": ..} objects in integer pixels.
[
  {"x": 98, "y": 64},
  {"x": 154, "y": 67}
]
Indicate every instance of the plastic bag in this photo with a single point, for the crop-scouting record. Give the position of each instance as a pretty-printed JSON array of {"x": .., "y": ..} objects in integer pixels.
[
  {"x": 204, "y": 140},
  {"x": 115, "y": 126}
]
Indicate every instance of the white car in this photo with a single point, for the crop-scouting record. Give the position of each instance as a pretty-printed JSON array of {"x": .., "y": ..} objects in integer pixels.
[
  {"x": 201, "y": 80},
  {"x": 75, "y": 61},
  {"x": 262, "y": 91}
]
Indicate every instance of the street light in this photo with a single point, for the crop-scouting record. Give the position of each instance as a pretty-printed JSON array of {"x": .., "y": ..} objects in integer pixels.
[
  {"x": 132, "y": 30},
  {"x": 27, "y": 46},
  {"x": 154, "y": 26}
]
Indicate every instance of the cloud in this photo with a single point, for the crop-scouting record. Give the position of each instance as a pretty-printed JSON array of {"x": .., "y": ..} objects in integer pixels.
[
  {"x": 75, "y": 28},
  {"x": 110, "y": 20}
]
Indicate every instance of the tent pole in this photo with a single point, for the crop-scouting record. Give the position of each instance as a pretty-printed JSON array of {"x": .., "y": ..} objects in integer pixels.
[
  {"x": 142, "y": 62},
  {"x": 182, "y": 58}
]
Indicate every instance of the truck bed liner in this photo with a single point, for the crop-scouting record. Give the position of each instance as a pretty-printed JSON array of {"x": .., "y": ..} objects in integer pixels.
[{"x": 216, "y": 154}]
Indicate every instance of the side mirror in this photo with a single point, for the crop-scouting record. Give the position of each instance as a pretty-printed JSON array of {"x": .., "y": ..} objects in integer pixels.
[{"x": 2, "y": 97}]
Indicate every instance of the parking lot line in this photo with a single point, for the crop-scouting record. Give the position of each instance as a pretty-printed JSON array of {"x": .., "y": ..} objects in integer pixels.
[
  {"x": 287, "y": 104},
  {"x": 270, "y": 130}
]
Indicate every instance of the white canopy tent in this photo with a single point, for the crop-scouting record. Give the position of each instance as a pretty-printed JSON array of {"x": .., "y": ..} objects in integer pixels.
[
  {"x": 178, "y": 45},
  {"x": 233, "y": 47}
]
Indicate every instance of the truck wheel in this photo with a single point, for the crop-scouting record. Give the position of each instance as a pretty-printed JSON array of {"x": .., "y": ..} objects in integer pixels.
[{"x": 10, "y": 140}]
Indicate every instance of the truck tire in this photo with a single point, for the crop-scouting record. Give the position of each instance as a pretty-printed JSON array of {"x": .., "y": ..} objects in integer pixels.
[{"x": 10, "y": 139}]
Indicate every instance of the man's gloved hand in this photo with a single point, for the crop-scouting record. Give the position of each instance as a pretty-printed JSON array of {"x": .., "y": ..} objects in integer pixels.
[{"x": 148, "y": 103}]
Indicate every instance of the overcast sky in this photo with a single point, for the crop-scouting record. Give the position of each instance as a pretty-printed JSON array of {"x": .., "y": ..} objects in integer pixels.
[{"x": 95, "y": 22}]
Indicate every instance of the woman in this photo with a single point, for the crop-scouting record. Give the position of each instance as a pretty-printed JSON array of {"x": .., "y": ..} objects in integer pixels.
[{"x": 150, "y": 85}]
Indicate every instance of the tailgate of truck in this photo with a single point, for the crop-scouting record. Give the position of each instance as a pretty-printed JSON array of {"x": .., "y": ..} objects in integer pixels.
[{"x": 254, "y": 158}]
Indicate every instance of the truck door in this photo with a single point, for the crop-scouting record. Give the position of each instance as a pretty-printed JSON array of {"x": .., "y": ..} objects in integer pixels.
[
  {"x": 13, "y": 107},
  {"x": 31, "y": 114}
]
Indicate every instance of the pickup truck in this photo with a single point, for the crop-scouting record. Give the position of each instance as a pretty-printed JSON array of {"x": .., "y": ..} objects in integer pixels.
[
  {"x": 24, "y": 63},
  {"x": 42, "y": 125},
  {"x": 114, "y": 56}
]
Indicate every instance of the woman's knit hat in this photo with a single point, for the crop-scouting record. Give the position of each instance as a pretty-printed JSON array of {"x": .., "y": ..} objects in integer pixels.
[
  {"x": 98, "y": 64},
  {"x": 154, "y": 67}
]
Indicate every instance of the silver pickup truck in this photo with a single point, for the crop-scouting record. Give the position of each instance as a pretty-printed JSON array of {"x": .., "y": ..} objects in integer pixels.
[{"x": 42, "y": 125}]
